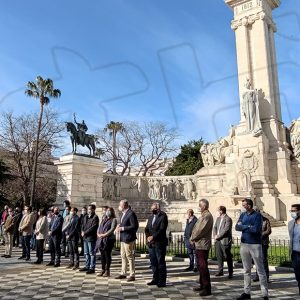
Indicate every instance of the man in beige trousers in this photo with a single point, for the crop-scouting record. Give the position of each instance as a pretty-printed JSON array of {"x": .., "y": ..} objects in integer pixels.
[
  {"x": 26, "y": 229},
  {"x": 128, "y": 227}
]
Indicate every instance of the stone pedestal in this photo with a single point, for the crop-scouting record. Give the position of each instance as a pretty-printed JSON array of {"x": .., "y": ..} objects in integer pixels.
[{"x": 80, "y": 180}]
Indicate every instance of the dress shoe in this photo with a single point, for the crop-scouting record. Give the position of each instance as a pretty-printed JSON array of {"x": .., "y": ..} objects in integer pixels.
[
  {"x": 106, "y": 274},
  {"x": 3, "y": 255},
  {"x": 83, "y": 269},
  {"x": 130, "y": 278},
  {"x": 205, "y": 292},
  {"x": 195, "y": 270},
  {"x": 90, "y": 271},
  {"x": 57, "y": 265},
  {"x": 152, "y": 282},
  {"x": 21, "y": 257},
  {"x": 219, "y": 274},
  {"x": 101, "y": 273},
  {"x": 161, "y": 285},
  {"x": 188, "y": 269},
  {"x": 76, "y": 267},
  {"x": 230, "y": 276},
  {"x": 7, "y": 256},
  {"x": 198, "y": 288},
  {"x": 255, "y": 279},
  {"x": 51, "y": 263},
  {"x": 70, "y": 266},
  {"x": 266, "y": 298},
  {"x": 120, "y": 276},
  {"x": 27, "y": 259},
  {"x": 244, "y": 296},
  {"x": 38, "y": 262}
]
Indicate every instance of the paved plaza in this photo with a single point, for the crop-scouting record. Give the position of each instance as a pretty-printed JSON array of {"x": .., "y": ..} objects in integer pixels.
[{"x": 20, "y": 280}]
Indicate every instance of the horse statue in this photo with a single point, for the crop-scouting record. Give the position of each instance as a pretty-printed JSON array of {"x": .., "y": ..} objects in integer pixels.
[{"x": 88, "y": 140}]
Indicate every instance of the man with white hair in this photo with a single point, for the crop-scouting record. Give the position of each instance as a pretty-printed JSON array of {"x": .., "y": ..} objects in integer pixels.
[{"x": 128, "y": 227}]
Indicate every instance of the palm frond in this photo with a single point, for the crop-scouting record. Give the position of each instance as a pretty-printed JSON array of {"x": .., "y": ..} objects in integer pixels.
[
  {"x": 56, "y": 93},
  {"x": 31, "y": 85},
  {"x": 39, "y": 81},
  {"x": 32, "y": 93},
  {"x": 45, "y": 100}
]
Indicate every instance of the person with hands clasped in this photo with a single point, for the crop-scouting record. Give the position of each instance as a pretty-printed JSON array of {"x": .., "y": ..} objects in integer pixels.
[
  {"x": 156, "y": 234},
  {"x": 250, "y": 224}
]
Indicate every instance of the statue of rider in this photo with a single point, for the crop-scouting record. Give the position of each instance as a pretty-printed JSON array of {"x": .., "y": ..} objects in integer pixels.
[{"x": 82, "y": 129}]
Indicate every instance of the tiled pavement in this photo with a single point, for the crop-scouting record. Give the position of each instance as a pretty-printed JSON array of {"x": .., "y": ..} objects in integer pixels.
[{"x": 20, "y": 280}]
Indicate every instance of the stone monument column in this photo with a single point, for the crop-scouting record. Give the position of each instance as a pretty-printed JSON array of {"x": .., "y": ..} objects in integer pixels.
[
  {"x": 80, "y": 180},
  {"x": 256, "y": 60},
  {"x": 256, "y": 57}
]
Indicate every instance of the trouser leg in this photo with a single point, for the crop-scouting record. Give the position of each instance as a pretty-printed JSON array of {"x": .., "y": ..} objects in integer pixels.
[
  {"x": 247, "y": 265},
  {"x": 256, "y": 253}
]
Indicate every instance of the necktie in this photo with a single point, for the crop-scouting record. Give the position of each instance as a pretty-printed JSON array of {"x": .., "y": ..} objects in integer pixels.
[
  {"x": 153, "y": 220},
  {"x": 219, "y": 226}
]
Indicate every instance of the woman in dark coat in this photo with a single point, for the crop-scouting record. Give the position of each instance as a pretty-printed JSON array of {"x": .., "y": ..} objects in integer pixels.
[{"x": 106, "y": 240}]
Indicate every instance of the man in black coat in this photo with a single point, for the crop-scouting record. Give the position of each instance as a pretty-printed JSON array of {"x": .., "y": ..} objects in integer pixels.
[
  {"x": 82, "y": 216},
  {"x": 55, "y": 235},
  {"x": 17, "y": 220},
  {"x": 72, "y": 237},
  {"x": 128, "y": 227},
  {"x": 156, "y": 234},
  {"x": 89, "y": 228},
  {"x": 190, "y": 223}
]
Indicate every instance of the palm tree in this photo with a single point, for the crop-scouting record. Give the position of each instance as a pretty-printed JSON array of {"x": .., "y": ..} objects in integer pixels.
[
  {"x": 114, "y": 128},
  {"x": 43, "y": 89}
]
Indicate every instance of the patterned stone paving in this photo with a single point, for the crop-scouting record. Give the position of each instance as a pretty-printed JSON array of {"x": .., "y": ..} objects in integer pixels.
[{"x": 20, "y": 280}]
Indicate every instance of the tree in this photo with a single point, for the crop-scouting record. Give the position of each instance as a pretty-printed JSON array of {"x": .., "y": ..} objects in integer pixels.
[
  {"x": 4, "y": 172},
  {"x": 5, "y": 176},
  {"x": 17, "y": 140},
  {"x": 155, "y": 142},
  {"x": 188, "y": 161},
  {"x": 113, "y": 128},
  {"x": 43, "y": 89},
  {"x": 138, "y": 146}
]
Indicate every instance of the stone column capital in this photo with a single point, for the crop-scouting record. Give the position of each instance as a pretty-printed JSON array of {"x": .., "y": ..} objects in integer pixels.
[{"x": 250, "y": 20}]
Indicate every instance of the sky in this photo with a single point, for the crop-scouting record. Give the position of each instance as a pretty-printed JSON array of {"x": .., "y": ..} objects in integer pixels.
[{"x": 138, "y": 60}]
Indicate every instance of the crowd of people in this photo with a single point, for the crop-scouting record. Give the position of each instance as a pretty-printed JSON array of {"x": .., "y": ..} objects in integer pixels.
[{"x": 65, "y": 231}]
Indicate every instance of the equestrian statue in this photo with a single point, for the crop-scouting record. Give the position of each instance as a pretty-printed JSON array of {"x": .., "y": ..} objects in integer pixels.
[{"x": 79, "y": 136}]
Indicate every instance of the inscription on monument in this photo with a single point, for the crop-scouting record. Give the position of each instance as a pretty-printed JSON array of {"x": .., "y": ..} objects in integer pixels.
[{"x": 247, "y": 6}]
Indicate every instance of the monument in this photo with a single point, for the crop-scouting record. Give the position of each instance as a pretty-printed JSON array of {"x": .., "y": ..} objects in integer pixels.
[
  {"x": 258, "y": 162},
  {"x": 260, "y": 157},
  {"x": 80, "y": 175}
]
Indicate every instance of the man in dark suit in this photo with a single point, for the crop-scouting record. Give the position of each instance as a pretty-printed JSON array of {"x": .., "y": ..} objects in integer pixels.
[
  {"x": 89, "y": 233},
  {"x": 55, "y": 235},
  {"x": 128, "y": 227},
  {"x": 190, "y": 223},
  {"x": 72, "y": 237},
  {"x": 156, "y": 234},
  {"x": 223, "y": 240}
]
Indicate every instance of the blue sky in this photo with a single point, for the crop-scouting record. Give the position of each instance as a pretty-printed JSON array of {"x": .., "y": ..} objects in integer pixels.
[{"x": 121, "y": 60}]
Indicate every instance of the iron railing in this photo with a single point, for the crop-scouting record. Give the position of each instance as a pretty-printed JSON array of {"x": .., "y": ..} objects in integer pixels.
[{"x": 278, "y": 252}]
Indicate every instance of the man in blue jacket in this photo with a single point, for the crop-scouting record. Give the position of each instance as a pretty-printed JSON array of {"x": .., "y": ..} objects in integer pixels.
[
  {"x": 250, "y": 223},
  {"x": 190, "y": 223},
  {"x": 55, "y": 235},
  {"x": 294, "y": 233}
]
